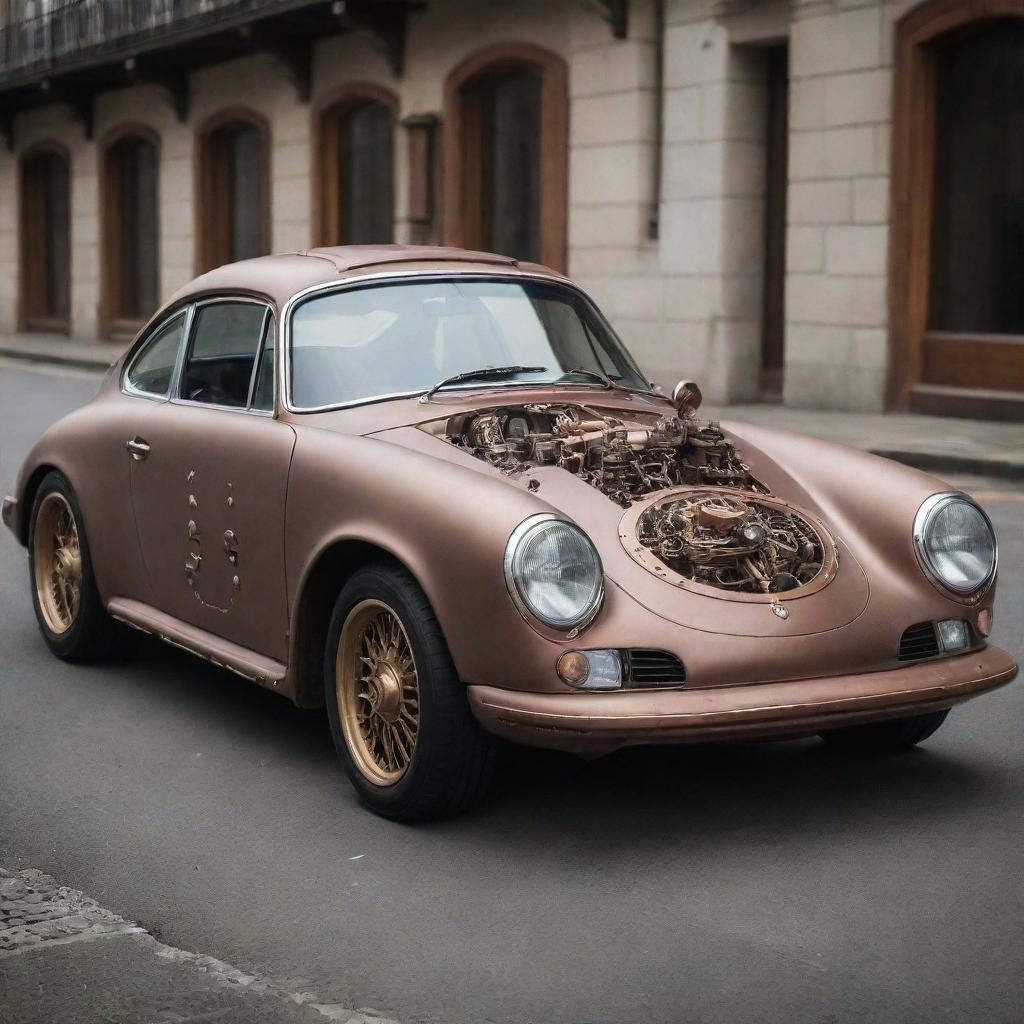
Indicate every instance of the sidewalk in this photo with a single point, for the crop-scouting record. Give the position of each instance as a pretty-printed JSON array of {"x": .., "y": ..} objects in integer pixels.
[
  {"x": 64, "y": 959},
  {"x": 60, "y": 350},
  {"x": 933, "y": 443},
  {"x": 937, "y": 444}
]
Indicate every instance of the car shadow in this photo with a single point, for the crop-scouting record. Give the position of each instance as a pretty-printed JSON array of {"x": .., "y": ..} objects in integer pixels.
[{"x": 707, "y": 790}]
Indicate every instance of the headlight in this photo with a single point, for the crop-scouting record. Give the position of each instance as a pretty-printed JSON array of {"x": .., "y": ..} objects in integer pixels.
[
  {"x": 553, "y": 572},
  {"x": 955, "y": 542}
]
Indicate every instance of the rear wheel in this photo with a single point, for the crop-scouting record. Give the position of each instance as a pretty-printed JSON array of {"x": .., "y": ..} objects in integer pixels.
[
  {"x": 885, "y": 737},
  {"x": 67, "y": 604},
  {"x": 398, "y": 711}
]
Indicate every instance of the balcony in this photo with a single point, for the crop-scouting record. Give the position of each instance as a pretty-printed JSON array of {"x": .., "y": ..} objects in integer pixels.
[{"x": 76, "y": 49}]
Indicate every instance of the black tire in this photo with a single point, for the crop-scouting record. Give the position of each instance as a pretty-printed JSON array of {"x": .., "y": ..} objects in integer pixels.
[
  {"x": 885, "y": 737},
  {"x": 92, "y": 635},
  {"x": 452, "y": 760}
]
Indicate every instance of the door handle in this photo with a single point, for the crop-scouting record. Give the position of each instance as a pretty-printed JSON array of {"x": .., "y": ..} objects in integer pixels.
[{"x": 138, "y": 449}]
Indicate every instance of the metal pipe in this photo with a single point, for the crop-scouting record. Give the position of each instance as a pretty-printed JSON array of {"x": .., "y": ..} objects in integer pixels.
[{"x": 654, "y": 221}]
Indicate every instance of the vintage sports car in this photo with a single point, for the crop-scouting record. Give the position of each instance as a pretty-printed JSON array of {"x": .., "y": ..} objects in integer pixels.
[{"x": 431, "y": 490}]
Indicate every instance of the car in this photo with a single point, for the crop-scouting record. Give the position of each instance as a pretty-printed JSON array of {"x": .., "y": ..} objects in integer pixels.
[{"x": 431, "y": 491}]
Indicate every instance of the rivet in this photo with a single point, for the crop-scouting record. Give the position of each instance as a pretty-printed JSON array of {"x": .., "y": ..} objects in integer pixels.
[
  {"x": 192, "y": 503},
  {"x": 235, "y": 582}
]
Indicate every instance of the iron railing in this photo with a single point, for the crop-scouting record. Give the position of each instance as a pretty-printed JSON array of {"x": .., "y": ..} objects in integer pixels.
[{"x": 39, "y": 34}]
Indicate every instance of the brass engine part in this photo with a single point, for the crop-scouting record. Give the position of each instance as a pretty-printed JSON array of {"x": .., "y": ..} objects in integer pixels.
[
  {"x": 625, "y": 461},
  {"x": 744, "y": 544}
]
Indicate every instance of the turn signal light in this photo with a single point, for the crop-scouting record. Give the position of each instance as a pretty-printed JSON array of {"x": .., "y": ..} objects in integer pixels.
[{"x": 590, "y": 670}]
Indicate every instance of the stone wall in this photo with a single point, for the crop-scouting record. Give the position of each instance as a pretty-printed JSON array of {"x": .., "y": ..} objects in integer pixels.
[{"x": 687, "y": 302}]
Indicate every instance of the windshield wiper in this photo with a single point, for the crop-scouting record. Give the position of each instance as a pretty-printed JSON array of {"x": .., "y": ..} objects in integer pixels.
[
  {"x": 482, "y": 374},
  {"x": 608, "y": 383}
]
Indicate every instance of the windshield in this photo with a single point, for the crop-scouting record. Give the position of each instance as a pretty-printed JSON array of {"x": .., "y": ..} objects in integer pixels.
[{"x": 405, "y": 337}]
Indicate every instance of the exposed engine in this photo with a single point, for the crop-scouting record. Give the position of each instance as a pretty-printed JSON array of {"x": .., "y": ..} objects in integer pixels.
[
  {"x": 723, "y": 531},
  {"x": 623, "y": 461},
  {"x": 736, "y": 543}
]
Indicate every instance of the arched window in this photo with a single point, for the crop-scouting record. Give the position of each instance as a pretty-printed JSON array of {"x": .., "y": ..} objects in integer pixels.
[
  {"x": 506, "y": 152},
  {"x": 131, "y": 240},
  {"x": 958, "y": 209},
  {"x": 45, "y": 239},
  {"x": 355, "y": 137},
  {"x": 234, "y": 200}
]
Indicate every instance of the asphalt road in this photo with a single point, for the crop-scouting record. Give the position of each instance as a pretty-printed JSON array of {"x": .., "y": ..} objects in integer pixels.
[{"x": 740, "y": 883}]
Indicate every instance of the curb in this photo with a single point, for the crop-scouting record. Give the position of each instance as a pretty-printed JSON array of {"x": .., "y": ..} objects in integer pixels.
[
  {"x": 944, "y": 462},
  {"x": 55, "y": 359}
]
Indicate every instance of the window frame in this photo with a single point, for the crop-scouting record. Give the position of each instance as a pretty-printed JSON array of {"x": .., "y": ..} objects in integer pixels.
[
  {"x": 461, "y": 219},
  {"x": 210, "y": 224},
  {"x": 188, "y": 309},
  {"x": 284, "y": 381},
  {"x": 326, "y": 177},
  {"x": 137, "y": 350},
  {"x": 29, "y": 262},
  {"x": 113, "y": 321},
  {"x": 920, "y": 34},
  {"x": 176, "y": 397}
]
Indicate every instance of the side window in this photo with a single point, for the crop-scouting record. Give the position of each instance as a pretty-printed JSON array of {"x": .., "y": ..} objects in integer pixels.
[
  {"x": 151, "y": 370},
  {"x": 263, "y": 388},
  {"x": 225, "y": 340}
]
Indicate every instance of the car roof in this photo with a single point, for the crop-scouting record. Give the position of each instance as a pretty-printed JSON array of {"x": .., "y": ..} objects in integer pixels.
[{"x": 282, "y": 276}]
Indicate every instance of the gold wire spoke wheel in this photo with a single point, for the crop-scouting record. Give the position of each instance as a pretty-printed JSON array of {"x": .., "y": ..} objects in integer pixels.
[
  {"x": 377, "y": 691},
  {"x": 57, "y": 563}
]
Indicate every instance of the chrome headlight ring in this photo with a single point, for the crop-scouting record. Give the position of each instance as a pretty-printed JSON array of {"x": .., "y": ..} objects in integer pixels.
[
  {"x": 573, "y": 599},
  {"x": 942, "y": 567}
]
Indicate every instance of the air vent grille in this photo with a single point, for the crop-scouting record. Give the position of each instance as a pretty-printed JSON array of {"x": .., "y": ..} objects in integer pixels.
[
  {"x": 919, "y": 641},
  {"x": 654, "y": 668}
]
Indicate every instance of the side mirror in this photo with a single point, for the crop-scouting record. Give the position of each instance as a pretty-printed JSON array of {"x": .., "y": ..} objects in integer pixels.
[{"x": 686, "y": 397}]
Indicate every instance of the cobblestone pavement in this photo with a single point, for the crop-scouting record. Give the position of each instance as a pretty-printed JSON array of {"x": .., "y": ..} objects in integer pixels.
[{"x": 53, "y": 970}]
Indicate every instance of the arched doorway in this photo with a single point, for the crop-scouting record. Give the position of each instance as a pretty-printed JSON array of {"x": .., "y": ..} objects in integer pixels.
[
  {"x": 506, "y": 154},
  {"x": 131, "y": 240},
  {"x": 355, "y": 173},
  {"x": 958, "y": 210},
  {"x": 45, "y": 239},
  {"x": 234, "y": 182}
]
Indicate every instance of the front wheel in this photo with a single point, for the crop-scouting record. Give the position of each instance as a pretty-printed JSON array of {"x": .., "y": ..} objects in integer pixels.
[
  {"x": 398, "y": 712},
  {"x": 68, "y": 607},
  {"x": 885, "y": 737}
]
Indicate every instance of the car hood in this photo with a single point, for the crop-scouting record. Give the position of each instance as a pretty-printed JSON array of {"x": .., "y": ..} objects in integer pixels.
[{"x": 834, "y": 605}]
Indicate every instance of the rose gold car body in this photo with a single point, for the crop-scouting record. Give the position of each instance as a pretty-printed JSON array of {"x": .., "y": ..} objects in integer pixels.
[{"x": 286, "y": 505}]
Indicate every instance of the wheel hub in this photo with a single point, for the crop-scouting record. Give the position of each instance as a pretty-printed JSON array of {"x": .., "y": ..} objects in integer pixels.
[
  {"x": 377, "y": 691},
  {"x": 386, "y": 692}
]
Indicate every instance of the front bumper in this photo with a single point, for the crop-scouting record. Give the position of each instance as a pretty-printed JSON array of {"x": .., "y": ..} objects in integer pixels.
[
  {"x": 597, "y": 723},
  {"x": 9, "y": 514}
]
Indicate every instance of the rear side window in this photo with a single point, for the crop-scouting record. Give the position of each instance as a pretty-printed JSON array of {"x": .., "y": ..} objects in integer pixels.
[
  {"x": 152, "y": 369},
  {"x": 226, "y": 338}
]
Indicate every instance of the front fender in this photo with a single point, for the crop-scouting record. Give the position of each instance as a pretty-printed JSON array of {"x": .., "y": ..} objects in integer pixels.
[
  {"x": 446, "y": 523},
  {"x": 870, "y": 501}
]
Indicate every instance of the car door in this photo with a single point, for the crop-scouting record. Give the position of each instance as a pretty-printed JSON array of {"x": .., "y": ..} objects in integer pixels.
[{"x": 210, "y": 478}]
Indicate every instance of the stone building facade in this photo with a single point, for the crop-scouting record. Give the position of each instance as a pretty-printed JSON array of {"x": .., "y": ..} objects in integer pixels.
[{"x": 775, "y": 198}]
